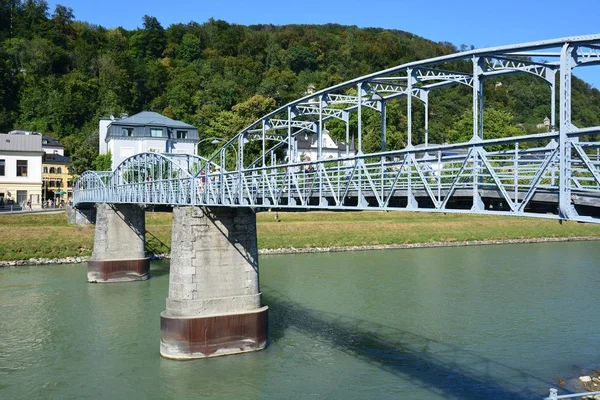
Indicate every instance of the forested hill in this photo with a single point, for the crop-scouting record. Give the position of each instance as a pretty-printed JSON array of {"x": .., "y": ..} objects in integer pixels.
[{"x": 58, "y": 75}]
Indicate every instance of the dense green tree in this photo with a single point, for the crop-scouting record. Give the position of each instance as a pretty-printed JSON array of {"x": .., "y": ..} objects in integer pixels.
[
  {"x": 84, "y": 152},
  {"x": 103, "y": 162},
  {"x": 301, "y": 58},
  {"x": 496, "y": 124},
  {"x": 150, "y": 41},
  {"x": 190, "y": 48},
  {"x": 58, "y": 75}
]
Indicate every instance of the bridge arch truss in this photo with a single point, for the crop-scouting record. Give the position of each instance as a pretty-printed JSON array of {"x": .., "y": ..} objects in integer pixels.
[{"x": 554, "y": 174}]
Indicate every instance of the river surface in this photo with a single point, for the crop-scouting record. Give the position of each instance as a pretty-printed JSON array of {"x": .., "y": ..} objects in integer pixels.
[{"x": 488, "y": 322}]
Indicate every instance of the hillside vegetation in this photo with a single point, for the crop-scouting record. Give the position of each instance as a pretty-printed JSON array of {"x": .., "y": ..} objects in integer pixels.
[{"x": 58, "y": 75}]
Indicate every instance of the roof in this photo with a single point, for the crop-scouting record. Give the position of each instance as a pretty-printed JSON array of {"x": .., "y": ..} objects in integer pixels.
[
  {"x": 48, "y": 141},
  {"x": 307, "y": 142},
  {"x": 24, "y": 143},
  {"x": 56, "y": 159},
  {"x": 151, "y": 118}
]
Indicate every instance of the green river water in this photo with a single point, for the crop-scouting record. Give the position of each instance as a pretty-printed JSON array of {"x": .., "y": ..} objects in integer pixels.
[{"x": 487, "y": 322}]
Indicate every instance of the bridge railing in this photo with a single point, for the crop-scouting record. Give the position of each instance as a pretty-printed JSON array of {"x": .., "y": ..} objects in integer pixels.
[
  {"x": 555, "y": 396},
  {"x": 419, "y": 179}
]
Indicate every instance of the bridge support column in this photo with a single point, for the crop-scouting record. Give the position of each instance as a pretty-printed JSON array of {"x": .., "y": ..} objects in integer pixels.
[
  {"x": 214, "y": 303},
  {"x": 119, "y": 245}
]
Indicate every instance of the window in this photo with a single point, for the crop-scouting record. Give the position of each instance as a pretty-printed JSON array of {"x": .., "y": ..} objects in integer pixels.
[
  {"x": 21, "y": 196},
  {"x": 51, "y": 184},
  {"x": 52, "y": 170},
  {"x": 154, "y": 132},
  {"x": 21, "y": 167},
  {"x": 59, "y": 170},
  {"x": 2, "y": 164},
  {"x": 181, "y": 134},
  {"x": 45, "y": 170},
  {"x": 127, "y": 131}
]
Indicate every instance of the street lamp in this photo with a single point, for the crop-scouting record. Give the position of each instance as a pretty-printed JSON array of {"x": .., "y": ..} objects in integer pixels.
[
  {"x": 214, "y": 139},
  {"x": 217, "y": 140}
]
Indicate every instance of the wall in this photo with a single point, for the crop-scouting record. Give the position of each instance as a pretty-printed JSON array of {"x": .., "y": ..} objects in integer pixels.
[
  {"x": 32, "y": 183},
  {"x": 142, "y": 145},
  {"x": 54, "y": 150},
  {"x": 64, "y": 176},
  {"x": 103, "y": 129},
  {"x": 156, "y": 145},
  {"x": 182, "y": 147}
]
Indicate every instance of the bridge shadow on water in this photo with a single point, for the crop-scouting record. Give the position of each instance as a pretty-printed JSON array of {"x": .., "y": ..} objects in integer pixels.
[
  {"x": 446, "y": 370},
  {"x": 154, "y": 248},
  {"x": 160, "y": 268}
]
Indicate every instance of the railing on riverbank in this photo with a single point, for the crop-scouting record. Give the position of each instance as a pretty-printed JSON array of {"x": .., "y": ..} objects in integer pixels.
[{"x": 554, "y": 395}]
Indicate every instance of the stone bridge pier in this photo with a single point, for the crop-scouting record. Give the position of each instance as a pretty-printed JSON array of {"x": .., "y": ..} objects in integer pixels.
[
  {"x": 214, "y": 303},
  {"x": 119, "y": 245}
]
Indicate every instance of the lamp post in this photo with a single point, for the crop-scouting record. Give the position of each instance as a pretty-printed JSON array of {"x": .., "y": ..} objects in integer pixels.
[{"x": 217, "y": 140}]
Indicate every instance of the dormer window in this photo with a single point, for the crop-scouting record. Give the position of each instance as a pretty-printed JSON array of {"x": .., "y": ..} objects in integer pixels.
[
  {"x": 154, "y": 132},
  {"x": 127, "y": 132},
  {"x": 181, "y": 134}
]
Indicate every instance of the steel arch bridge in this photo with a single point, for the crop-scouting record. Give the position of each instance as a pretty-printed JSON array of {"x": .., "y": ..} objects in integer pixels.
[{"x": 554, "y": 174}]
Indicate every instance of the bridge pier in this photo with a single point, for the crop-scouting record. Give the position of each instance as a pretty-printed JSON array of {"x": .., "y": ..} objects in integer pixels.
[
  {"x": 214, "y": 303},
  {"x": 119, "y": 245}
]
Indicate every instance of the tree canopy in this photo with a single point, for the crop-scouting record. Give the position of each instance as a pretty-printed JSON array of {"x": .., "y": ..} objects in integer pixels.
[{"x": 59, "y": 75}]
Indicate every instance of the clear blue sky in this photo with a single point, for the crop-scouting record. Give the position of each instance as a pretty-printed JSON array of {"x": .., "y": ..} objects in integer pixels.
[{"x": 481, "y": 23}]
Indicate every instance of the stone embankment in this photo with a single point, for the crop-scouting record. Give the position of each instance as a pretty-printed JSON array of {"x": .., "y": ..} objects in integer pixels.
[
  {"x": 43, "y": 261},
  {"x": 591, "y": 383},
  {"x": 293, "y": 250}
]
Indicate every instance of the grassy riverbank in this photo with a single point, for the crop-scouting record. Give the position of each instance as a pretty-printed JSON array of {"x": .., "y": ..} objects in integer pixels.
[{"x": 49, "y": 236}]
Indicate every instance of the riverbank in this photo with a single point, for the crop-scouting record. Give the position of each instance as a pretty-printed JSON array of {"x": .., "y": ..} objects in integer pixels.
[
  {"x": 48, "y": 238},
  {"x": 292, "y": 250}
]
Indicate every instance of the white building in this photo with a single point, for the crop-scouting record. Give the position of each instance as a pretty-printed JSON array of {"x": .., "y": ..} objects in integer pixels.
[
  {"x": 145, "y": 132},
  {"x": 21, "y": 169},
  {"x": 52, "y": 146},
  {"x": 307, "y": 147},
  {"x": 545, "y": 124}
]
